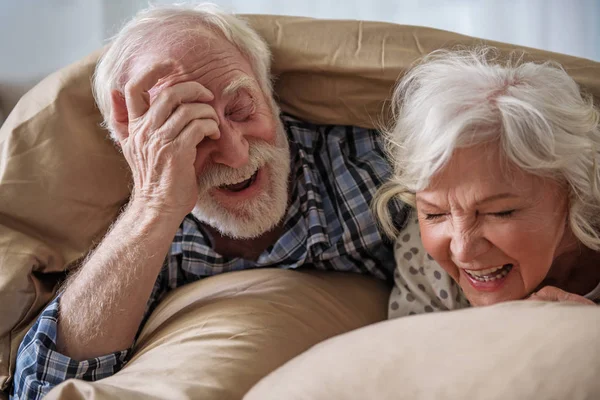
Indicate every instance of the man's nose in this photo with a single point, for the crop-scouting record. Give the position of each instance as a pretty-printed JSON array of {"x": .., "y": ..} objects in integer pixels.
[{"x": 232, "y": 148}]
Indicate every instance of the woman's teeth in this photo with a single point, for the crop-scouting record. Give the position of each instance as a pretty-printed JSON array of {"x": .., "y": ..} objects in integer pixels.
[{"x": 490, "y": 274}]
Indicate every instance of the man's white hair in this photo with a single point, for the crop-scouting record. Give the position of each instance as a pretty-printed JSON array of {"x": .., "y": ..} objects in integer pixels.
[
  {"x": 162, "y": 27},
  {"x": 534, "y": 111}
]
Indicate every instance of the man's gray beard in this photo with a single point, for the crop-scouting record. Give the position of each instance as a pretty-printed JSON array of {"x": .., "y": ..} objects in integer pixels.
[{"x": 260, "y": 214}]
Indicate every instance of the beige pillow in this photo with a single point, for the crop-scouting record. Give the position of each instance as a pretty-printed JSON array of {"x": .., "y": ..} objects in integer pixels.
[
  {"x": 62, "y": 181},
  {"x": 519, "y": 350},
  {"x": 214, "y": 339}
]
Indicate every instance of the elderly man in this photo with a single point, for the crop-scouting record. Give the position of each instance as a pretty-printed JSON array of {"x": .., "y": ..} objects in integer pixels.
[{"x": 220, "y": 183}]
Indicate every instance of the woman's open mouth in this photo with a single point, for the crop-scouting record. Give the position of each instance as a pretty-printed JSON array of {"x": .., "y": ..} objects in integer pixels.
[{"x": 490, "y": 274}]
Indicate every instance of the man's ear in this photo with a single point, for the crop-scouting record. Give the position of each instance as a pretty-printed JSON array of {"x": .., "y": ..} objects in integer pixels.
[{"x": 119, "y": 114}]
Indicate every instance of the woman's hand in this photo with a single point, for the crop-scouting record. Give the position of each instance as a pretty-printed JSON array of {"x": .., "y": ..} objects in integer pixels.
[{"x": 551, "y": 293}]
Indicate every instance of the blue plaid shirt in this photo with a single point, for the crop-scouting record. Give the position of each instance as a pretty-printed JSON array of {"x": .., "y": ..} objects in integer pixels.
[{"x": 336, "y": 171}]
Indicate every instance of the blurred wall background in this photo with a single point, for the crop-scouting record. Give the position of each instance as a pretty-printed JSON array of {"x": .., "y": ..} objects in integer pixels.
[{"x": 41, "y": 36}]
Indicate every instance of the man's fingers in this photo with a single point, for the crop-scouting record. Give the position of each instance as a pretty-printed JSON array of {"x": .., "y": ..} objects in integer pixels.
[
  {"x": 136, "y": 90},
  {"x": 183, "y": 115},
  {"x": 171, "y": 98},
  {"x": 196, "y": 131}
]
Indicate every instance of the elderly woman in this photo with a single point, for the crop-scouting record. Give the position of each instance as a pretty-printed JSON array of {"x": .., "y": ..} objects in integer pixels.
[{"x": 500, "y": 162}]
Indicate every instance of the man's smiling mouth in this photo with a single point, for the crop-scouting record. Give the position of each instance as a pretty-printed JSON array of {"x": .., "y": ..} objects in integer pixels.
[{"x": 239, "y": 186}]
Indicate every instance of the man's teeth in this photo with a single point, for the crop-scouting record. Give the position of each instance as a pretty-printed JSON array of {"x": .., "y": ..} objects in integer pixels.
[
  {"x": 241, "y": 180},
  {"x": 240, "y": 185},
  {"x": 490, "y": 274}
]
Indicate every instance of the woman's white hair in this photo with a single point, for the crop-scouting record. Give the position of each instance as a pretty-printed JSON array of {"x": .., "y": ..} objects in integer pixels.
[
  {"x": 534, "y": 111},
  {"x": 165, "y": 26}
]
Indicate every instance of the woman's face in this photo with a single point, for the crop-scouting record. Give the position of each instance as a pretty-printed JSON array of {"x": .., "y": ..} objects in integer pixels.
[{"x": 493, "y": 227}]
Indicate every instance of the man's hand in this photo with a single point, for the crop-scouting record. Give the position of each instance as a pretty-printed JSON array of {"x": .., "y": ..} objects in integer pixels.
[
  {"x": 163, "y": 135},
  {"x": 551, "y": 293},
  {"x": 103, "y": 304}
]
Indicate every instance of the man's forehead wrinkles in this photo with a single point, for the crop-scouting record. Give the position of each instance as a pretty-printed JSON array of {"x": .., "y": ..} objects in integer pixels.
[
  {"x": 222, "y": 74},
  {"x": 217, "y": 60},
  {"x": 205, "y": 63},
  {"x": 215, "y": 55},
  {"x": 208, "y": 70},
  {"x": 200, "y": 53}
]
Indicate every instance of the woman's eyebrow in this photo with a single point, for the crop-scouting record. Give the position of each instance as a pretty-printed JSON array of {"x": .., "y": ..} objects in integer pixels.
[
  {"x": 480, "y": 202},
  {"x": 422, "y": 200},
  {"x": 494, "y": 197}
]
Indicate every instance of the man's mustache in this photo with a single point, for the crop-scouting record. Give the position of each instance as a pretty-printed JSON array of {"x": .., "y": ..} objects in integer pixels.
[{"x": 260, "y": 154}]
